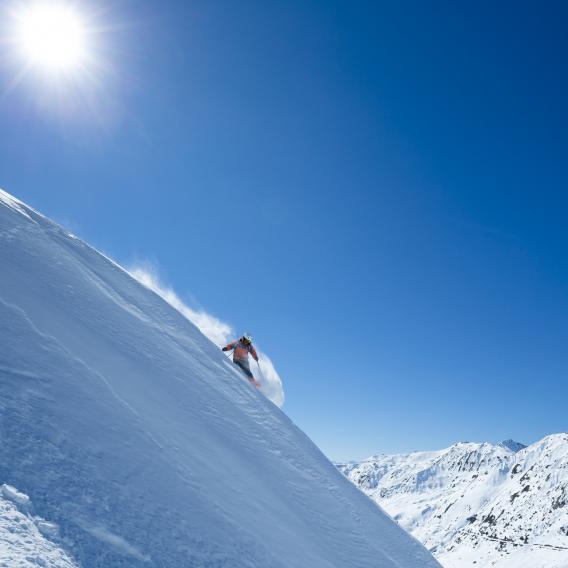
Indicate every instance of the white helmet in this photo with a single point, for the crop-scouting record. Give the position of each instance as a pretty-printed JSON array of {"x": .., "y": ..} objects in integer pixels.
[{"x": 247, "y": 337}]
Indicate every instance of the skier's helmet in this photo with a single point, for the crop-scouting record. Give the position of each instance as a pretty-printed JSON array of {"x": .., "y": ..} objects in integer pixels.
[{"x": 247, "y": 338}]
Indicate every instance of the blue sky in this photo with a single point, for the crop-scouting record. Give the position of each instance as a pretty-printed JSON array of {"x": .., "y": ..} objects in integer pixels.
[{"x": 377, "y": 190}]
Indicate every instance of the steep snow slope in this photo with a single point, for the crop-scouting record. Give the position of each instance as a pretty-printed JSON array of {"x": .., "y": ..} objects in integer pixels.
[
  {"x": 478, "y": 504},
  {"x": 132, "y": 432}
]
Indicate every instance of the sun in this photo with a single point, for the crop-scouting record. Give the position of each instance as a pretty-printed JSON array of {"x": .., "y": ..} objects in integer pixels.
[{"x": 51, "y": 36}]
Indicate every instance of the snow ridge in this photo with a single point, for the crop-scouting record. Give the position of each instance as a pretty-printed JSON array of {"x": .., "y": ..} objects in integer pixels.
[
  {"x": 471, "y": 504},
  {"x": 134, "y": 435}
]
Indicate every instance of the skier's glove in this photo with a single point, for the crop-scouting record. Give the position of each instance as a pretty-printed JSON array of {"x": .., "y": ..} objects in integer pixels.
[{"x": 224, "y": 349}]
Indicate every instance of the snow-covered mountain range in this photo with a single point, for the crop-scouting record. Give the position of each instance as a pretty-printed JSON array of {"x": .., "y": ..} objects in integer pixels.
[
  {"x": 127, "y": 439},
  {"x": 478, "y": 504}
]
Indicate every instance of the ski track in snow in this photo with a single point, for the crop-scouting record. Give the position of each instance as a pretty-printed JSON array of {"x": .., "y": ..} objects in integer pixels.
[{"x": 135, "y": 436}]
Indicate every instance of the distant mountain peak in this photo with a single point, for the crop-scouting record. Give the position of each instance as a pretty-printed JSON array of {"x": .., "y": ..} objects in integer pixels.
[
  {"x": 512, "y": 445},
  {"x": 478, "y": 503}
]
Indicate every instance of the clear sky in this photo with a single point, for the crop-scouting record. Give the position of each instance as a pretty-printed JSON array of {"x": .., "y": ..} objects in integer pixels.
[{"x": 377, "y": 190}]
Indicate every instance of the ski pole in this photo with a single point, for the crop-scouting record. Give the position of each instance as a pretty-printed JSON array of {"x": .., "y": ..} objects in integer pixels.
[{"x": 260, "y": 372}]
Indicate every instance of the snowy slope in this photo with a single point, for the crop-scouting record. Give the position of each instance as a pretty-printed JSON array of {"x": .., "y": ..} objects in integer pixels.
[
  {"x": 138, "y": 441},
  {"x": 478, "y": 504}
]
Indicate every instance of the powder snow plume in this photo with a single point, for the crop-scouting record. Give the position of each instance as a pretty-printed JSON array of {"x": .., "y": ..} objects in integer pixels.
[{"x": 213, "y": 328}]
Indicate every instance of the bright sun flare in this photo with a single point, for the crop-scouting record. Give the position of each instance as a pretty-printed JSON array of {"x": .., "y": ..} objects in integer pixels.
[{"x": 52, "y": 36}]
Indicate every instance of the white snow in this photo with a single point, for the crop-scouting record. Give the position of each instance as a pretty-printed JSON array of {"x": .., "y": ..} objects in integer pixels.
[
  {"x": 472, "y": 504},
  {"x": 134, "y": 442},
  {"x": 27, "y": 541}
]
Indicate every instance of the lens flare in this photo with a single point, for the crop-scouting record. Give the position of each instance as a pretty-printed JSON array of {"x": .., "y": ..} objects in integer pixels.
[{"x": 52, "y": 37}]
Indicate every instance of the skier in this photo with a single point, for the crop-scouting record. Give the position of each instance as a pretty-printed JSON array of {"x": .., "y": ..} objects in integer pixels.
[{"x": 241, "y": 349}]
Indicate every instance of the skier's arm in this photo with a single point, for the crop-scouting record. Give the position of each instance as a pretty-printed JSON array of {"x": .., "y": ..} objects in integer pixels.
[
  {"x": 253, "y": 353},
  {"x": 229, "y": 347}
]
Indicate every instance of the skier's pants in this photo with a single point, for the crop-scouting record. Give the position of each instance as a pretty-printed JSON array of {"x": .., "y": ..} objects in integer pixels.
[{"x": 243, "y": 365}]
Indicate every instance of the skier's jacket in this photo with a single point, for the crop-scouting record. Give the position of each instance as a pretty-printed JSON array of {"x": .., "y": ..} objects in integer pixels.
[{"x": 241, "y": 351}]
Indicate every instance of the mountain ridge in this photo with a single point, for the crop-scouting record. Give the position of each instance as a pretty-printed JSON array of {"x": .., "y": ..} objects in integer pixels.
[{"x": 477, "y": 503}]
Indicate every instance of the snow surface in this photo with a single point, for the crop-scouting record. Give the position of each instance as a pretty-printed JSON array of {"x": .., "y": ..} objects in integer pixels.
[
  {"x": 27, "y": 541},
  {"x": 475, "y": 504},
  {"x": 140, "y": 444}
]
